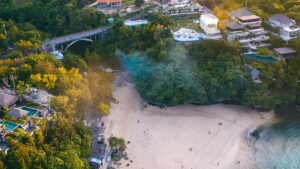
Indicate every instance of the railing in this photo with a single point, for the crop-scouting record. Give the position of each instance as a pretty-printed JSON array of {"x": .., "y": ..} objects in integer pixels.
[{"x": 75, "y": 36}]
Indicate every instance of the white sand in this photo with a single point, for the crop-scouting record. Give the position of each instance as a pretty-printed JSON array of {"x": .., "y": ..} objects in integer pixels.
[{"x": 163, "y": 138}]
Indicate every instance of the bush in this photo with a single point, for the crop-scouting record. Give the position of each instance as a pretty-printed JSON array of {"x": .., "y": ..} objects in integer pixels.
[
  {"x": 263, "y": 52},
  {"x": 117, "y": 142},
  {"x": 15, "y": 120},
  {"x": 5, "y": 109},
  {"x": 104, "y": 109},
  {"x": 19, "y": 130},
  {"x": 32, "y": 105}
]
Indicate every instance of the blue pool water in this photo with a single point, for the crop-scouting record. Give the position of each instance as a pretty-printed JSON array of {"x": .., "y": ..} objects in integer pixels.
[
  {"x": 10, "y": 125},
  {"x": 31, "y": 111},
  {"x": 260, "y": 58}
]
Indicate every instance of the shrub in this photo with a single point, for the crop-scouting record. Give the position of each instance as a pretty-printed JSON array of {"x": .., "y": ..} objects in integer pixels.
[
  {"x": 104, "y": 109},
  {"x": 263, "y": 52},
  {"x": 19, "y": 130}
]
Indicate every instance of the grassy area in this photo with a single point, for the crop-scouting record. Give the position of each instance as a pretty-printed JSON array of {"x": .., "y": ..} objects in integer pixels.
[
  {"x": 127, "y": 2},
  {"x": 34, "y": 120},
  {"x": 42, "y": 122},
  {"x": 34, "y": 105},
  {"x": 18, "y": 130},
  {"x": 14, "y": 119}
]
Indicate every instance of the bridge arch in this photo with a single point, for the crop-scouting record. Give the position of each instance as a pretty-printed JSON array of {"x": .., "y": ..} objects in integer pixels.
[{"x": 73, "y": 42}]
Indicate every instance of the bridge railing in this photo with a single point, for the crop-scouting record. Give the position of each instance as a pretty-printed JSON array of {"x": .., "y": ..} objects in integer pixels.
[{"x": 74, "y": 36}]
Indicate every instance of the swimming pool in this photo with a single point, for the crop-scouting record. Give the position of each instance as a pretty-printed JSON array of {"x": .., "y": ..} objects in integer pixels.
[
  {"x": 10, "y": 125},
  {"x": 31, "y": 111},
  {"x": 260, "y": 58}
]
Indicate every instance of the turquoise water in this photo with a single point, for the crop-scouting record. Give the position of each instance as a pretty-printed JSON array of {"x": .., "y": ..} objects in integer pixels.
[
  {"x": 31, "y": 111},
  {"x": 10, "y": 125},
  {"x": 278, "y": 147},
  {"x": 260, "y": 58}
]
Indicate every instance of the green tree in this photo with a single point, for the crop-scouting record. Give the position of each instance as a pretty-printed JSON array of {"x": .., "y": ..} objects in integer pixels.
[
  {"x": 104, "y": 109},
  {"x": 138, "y": 3},
  {"x": 263, "y": 52}
]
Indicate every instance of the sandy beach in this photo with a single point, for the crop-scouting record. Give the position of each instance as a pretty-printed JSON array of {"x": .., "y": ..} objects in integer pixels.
[{"x": 187, "y": 136}]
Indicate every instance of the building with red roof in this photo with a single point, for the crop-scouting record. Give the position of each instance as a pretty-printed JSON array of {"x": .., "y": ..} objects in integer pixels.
[{"x": 109, "y": 3}]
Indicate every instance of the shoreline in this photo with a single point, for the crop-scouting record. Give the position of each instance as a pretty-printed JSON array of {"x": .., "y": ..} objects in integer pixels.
[{"x": 186, "y": 136}]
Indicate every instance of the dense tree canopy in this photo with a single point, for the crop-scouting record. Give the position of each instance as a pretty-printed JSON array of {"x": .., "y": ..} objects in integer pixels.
[
  {"x": 56, "y": 17},
  {"x": 61, "y": 145},
  {"x": 200, "y": 75}
]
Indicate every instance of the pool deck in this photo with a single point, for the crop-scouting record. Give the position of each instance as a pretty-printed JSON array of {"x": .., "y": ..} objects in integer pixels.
[
  {"x": 10, "y": 130},
  {"x": 30, "y": 108}
]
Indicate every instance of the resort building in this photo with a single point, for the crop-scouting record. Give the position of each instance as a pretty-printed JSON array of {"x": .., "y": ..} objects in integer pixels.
[
  {"x": 109, "y": 3},
  {"x": 163, "y": 1},
  {"x": 284, "y": 52},
  {"x": 187, "y": 35},
  {"x": 134, "y": 23},
  {"x": 189, "y": 11},
  {"x": 17, "y": 112},
  {"x": 246, "y": 18},
  {"x": 209, "y": 23},
  {"x": 7, "y": 99},
  {"x": 246, "y": 27},
  {"x": 234, "y": 30},
  {"x": 284, "y": 27}
]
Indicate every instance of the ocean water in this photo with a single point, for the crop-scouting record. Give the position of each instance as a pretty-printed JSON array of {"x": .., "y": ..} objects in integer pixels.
[{"x": 278, "y": 146}]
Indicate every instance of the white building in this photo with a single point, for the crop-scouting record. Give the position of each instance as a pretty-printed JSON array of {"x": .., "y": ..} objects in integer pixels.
[
  {"x": 187, "y": 35},
  {"x": 135, "y": 23},
  {"x": 209, "y": 23},
  {"x": 287, "y": 28}
]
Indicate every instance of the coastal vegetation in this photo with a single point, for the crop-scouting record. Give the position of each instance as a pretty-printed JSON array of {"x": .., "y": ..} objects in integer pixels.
[
  {"x": 64, "y": 141},
  {"x": 165, "y": 73}
]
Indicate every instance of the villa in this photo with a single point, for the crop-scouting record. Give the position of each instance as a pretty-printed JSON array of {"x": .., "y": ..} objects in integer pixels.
[
  {"x": 109, "y": 3},
  {"x": 284, "y": 27},
  {"x": 284, "y": 52},
  {"x": 245, "y": 27},
  {"x": 246, "y": 18},
  {"x": 7, "y": 99},
  {"x": 185, "y": 9},
  {"x": 209, "y": 23},
  {"x": 17, "y": 112},
  {"x": 163, "y": 1}
]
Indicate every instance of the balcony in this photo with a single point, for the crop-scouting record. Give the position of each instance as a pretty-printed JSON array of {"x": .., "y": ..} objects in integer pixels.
[
  {"x": 245, "y": 40},
  {"x": 251, "y": 24},
  {"x": 261, "y": 38}
]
